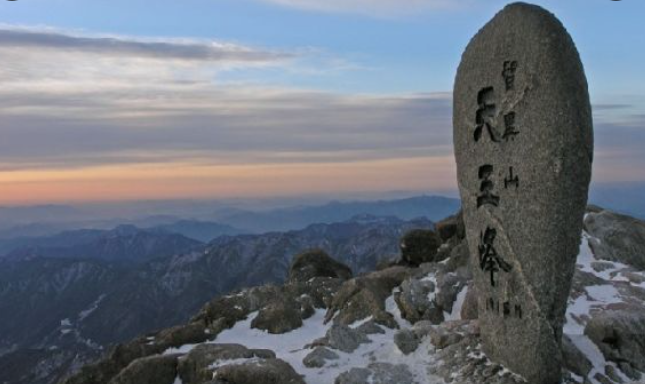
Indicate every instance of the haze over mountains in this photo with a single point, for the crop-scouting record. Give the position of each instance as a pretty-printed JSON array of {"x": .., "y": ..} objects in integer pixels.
[{"x": 60, "y": 312}]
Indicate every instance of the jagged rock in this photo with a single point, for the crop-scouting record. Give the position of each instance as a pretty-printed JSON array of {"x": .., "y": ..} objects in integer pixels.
[
  {"x": 237, "y": 306},
  {"x": 420, "y": 246},
  {"x": 406, "y": 341},
  {"x": 195, "y": 367},
  {"x": 370, "y": 328},
  {"x": 620, "y": 335},
  {"x": 365, "y": 296},
  {"x": 422, "y": 329},
  {"x": 441, "y": 339},
  {"x": 344, "y": 338},
  {"x": 573, "y": 359},
  {"x": 617, "y": 237},
  {"x": 191, "y": 333},
  {"x": 413, "y": 299},
  {"x": 149, "y": 370},
  {"x": 459, "y": 259},
  {"x": 320, "y": 290},
  {"x": 117, "y": 359},
  {"x": 449, "y": 286},
  {"x": 377, "y": 373},
  {"x": 280, "y": 316},
  {"x": 263, "y": 371},
  {"x": 318, "y": 357},
  {"x": 317, "y": 263}
]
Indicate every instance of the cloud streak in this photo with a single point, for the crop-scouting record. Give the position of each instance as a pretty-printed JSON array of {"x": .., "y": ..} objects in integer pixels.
[{"x": 173, "y": 49}]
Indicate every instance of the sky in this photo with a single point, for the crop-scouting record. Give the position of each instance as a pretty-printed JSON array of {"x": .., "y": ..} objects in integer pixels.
[{"x": 206, "y": 99}]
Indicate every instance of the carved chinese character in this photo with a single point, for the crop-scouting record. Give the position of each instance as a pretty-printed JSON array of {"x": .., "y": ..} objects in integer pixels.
[
  {"x": 510, "y": 130},
  {"x": 509, "y": 74},
  {"x": 486, "y": 187},
  {"x": 489, "y": 259},
  {"x": 486, "y": 114},
  {"x": 511, "y": 179}
]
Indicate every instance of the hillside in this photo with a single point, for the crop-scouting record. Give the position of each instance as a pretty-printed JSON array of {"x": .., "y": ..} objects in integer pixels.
[
  {"x": 405, "y": 324},
  {"x": 77, "y": 307}
]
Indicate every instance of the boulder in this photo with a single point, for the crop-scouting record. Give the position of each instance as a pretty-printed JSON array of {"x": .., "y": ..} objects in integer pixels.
[
  {"x": 365, "y": 296},
  {"x": 377, "y": 373},
  {"x": 317, "y": 263},
  {"x": 196, "y": 366},
  {"x": 318, "y": 357},
  {"x": 574, "y": 360},
  {"x": 413, "y": 299},
  {"x": 620, "y": 335},
  {"x": 420, "y": 246},
  {"x": 263, "y": 371},
  {"x": 149, "y": 370},
  {"x": 280, "y": 316},
  {"x": 617, "y": 237},
  {"x": 344, "y": 338},
  {"x": 406, "y": 341}
]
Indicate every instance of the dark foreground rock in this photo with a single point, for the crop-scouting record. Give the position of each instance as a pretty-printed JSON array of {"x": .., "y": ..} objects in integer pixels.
[
  {"x": 617, "y": 237},
  {"x": 317, "y": 263}
]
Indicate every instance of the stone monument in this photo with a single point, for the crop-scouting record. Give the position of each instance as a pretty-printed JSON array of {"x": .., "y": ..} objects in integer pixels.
[{"x": 524, "y": 147}]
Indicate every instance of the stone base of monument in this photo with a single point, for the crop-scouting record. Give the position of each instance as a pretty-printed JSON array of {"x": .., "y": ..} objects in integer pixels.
[{"x": 524, "y": 147}]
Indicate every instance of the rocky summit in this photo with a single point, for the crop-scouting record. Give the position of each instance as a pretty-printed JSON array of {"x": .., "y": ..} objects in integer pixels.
[
  {"x": 404, "y": 323},
  {"x": 524, "y": 147}
]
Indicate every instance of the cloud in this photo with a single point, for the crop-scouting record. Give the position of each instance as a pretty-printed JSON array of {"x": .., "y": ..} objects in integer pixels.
[
  {"x": 81, "y": 105},
  {"x": 382, "y": 8},
  {"x": 172, "y": 49}
]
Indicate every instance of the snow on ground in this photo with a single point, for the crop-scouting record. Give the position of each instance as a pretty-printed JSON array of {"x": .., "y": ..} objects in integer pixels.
[
  {"x": 456, "y": 307},
  {"x": 290, "y": 347},
  {"x": 596, "y": 298},
  {"x": 86, "y": 312}
]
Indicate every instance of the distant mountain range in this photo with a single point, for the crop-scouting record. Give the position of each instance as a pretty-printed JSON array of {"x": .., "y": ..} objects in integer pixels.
[
  {"x": 53, "y": 306},
  {"x": 39, "y": 227},
  {"x": 430, "y": 207}
]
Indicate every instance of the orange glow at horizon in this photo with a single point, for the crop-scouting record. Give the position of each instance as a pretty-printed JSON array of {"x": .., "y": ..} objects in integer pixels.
[{"x": 187, "y": 180}]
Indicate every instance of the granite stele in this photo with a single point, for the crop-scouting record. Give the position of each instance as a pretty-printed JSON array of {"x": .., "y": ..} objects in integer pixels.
[{"x": 524, "y": 147}]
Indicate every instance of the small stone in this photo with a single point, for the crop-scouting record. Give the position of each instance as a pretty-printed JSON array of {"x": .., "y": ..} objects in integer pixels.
[
  {"x": 406, "y": 341},
  {"x": 318, "y": 357},
  {"x": 344, "y": 338},
  {"x": 610, "y": 371}
]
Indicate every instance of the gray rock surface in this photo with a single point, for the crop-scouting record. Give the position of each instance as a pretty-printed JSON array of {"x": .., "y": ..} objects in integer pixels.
[
  {"x": 318, "y": 357},
  {"x": 280, "y": 316},
  {"x": 149, "y": 370},
  {"x": 406, "y": 341},
  {"x": 617, "y": 237},
  {"x": 377, "y": 373},
  {"x": 344, "y": 338},
  {"x": 620, "y": 335},
  {"x": 195, "y": 367},
  {"x": 524, "y": 147},
  {"x": 317, "y": 263},
  {"x": 265, "y": 371}
]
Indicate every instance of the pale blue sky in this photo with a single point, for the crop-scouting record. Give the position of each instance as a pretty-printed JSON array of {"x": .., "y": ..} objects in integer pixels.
[{"x": 255, "y": 82}]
